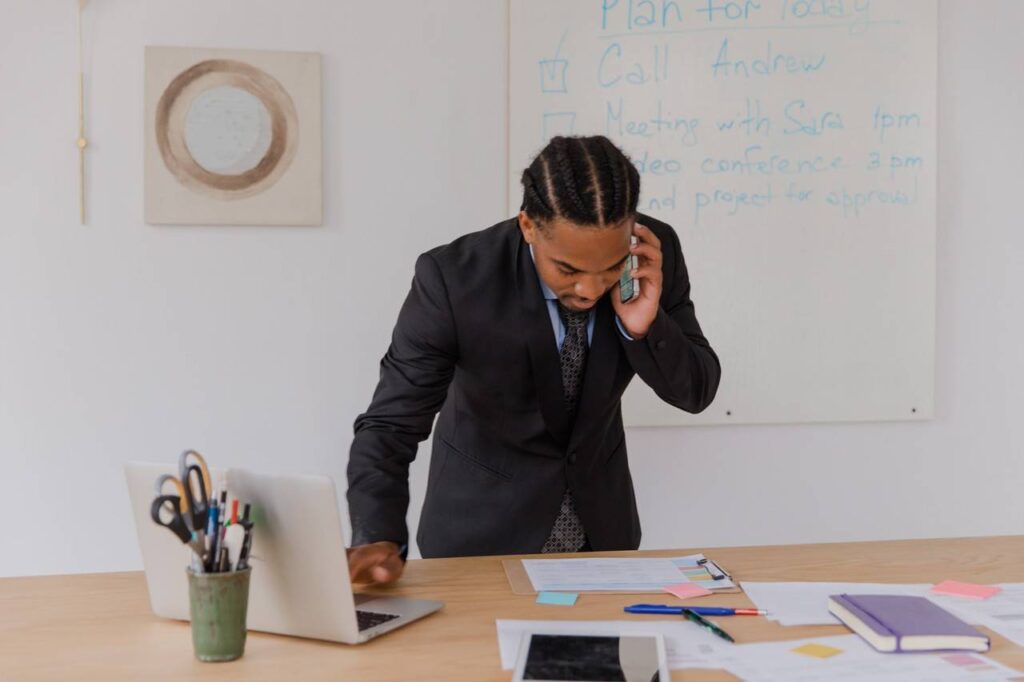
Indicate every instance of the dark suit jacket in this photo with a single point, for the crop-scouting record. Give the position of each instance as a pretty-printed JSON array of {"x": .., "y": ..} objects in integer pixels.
[{"x": 474, "y": 340}]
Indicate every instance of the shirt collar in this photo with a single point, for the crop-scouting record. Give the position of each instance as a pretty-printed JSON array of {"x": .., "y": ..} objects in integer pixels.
[{"x": 545, "y": 289}]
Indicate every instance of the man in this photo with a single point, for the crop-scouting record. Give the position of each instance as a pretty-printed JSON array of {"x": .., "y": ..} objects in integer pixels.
[{"x": 517, "y": 334}]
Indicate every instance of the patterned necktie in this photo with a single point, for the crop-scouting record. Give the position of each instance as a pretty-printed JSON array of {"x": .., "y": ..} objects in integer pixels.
[{"x": 568, "y": 535}]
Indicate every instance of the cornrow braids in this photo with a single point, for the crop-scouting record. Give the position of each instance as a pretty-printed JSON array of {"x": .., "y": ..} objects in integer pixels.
[
  {"x": 534, "y": 201},
  {"x": 617, "y": 180},
  {"x": 567, "y": 181},
  {"x": 585, "y": 180},
  {"x": 591, "y": 190},
  {"x": 608, "y": 203},
  {"x": 632, "y": 185}
]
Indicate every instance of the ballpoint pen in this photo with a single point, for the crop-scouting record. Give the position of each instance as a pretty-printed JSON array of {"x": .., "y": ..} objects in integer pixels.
[
  {"x": 700, "y": 620},
  {"x": 664, "y": 609},
  {"x": 213, "y": 535},
  {"x": 243, "y": 555},
  {"x": 222, "y": 557}
]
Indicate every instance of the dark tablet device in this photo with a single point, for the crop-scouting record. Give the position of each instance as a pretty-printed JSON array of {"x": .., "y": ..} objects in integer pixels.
[{"x": 591, "y": 658}]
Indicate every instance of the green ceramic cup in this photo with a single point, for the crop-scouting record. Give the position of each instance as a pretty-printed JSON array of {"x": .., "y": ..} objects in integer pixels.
[{"x": 218, "y": 603}]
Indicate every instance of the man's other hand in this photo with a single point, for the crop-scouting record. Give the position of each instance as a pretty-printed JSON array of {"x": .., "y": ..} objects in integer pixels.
[{"x": 377, "y": 562}]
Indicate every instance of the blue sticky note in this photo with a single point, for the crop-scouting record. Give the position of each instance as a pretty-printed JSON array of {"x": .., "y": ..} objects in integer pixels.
[{"x": 557, "y": 598}]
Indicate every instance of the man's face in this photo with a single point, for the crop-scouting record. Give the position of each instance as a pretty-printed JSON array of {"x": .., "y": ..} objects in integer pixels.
[{"x": 579, "y": 263}]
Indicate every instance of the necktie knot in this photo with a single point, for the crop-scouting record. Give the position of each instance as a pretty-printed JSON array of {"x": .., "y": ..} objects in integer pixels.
[{"x": 573, "y": 318}]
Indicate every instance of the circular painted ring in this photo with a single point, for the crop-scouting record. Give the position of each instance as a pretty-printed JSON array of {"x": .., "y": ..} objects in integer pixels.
[{"x": 170, "y": 127}]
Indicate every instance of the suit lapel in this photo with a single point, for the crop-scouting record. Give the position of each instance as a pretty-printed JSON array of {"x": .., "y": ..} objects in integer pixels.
[{"x": 540, "y": 339}]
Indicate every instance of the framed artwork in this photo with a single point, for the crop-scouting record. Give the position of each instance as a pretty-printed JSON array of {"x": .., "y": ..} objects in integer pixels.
[{"x": 233, "y": 137}]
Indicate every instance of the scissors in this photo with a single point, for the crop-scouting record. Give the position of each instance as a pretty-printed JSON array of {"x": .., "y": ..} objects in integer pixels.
[
  {"x": 166, "y": 511},
  {"x": 196, "y": 491},
  {"x": 179, "y": 490}
]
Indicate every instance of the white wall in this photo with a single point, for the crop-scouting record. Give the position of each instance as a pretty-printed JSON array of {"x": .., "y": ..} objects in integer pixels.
[{"x": 125, "y": 341}]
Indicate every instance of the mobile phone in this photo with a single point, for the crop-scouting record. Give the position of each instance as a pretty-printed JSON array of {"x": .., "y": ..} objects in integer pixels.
[{"x": 629, "y": 288}]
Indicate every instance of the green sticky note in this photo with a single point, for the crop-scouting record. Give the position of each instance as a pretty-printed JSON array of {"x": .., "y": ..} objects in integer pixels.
[{"x": 557, "y": 598}]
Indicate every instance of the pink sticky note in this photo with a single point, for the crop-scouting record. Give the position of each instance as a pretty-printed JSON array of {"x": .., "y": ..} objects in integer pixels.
[
  {"x": 687, "y": 590},
  {"x": 970, "y": 590}
]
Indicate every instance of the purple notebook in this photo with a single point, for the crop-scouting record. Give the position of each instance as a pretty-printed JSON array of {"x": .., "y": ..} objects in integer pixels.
[{"x": 898, "y": 623}]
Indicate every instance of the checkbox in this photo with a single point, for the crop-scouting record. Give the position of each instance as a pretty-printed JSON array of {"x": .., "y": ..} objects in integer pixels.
[{"x": 552, "y": 75}]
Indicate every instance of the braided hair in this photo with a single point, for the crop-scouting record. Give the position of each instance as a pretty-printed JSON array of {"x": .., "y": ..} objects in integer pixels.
[{"x": 585, "y": 180}]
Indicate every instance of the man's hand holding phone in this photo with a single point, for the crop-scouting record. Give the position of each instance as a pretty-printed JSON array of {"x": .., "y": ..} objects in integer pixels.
[{"x": 637, "y": 315}]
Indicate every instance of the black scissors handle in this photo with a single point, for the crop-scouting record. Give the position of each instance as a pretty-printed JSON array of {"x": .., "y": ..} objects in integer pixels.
[
  {"x": 166, "y": 512},
  {"x": 179, "y": 490},
  {"x": 198, "y": 495}
]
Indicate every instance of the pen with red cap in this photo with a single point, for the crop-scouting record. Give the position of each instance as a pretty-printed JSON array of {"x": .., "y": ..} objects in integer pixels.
[{"x": 664, "y": 609}]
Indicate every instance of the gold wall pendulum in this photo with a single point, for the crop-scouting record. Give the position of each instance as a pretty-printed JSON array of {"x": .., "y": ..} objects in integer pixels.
[{"x": 81, "y": 141}]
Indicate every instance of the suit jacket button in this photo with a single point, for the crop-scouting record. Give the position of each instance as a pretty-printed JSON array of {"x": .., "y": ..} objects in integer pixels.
[
  {"x": 572, "y": 457},
  {"x": 660, "y": 345}
]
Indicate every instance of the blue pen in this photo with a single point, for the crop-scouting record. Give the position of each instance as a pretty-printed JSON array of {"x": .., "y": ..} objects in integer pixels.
[
  {"x": 663, "y": 609},
  {"x": 211, "y": 534}
]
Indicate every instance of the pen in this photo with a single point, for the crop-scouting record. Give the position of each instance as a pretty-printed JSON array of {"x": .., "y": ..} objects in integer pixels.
[
  {"x": 222, "y": 558},
  {"x": 212, "y": 534},
  {"x": 197, "y": 557},
  {"x": 700, "y": 620},
  {"x": 243, "y": 556},
  {"x": 701, "y": 610}
]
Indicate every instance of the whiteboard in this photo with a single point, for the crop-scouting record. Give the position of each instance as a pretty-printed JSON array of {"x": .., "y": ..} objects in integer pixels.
[{"x": 791, "y": 143}]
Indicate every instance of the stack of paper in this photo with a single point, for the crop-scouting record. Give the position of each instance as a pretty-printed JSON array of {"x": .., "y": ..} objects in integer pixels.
[
  {"x": 848, "y": 657},
  {"x": 1003, "y": 612},
  {"x": 619, "y": 575},
  {"x": 807, "y": 603}
]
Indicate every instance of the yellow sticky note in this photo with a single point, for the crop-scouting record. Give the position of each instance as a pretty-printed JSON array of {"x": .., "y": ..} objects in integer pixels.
[{"x": 817, "y": 650}]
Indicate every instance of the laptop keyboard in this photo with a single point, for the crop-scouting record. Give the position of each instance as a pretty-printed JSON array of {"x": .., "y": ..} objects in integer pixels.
[{"x": 370, "y": 619}]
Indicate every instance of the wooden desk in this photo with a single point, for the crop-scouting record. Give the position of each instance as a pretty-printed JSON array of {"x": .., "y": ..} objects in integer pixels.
[{"x": 99, "y": 627}]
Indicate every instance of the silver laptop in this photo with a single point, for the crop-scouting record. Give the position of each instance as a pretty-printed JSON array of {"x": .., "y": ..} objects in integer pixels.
[{"x": 300, "y": 584}]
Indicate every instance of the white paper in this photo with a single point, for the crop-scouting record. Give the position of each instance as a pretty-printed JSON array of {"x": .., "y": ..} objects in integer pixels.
[
  {"x": 686, "y": 645},
  {"x": 1002, "y": 612},
  {"x": 777, "y": 662},
  {"x": 807, "y": 603},
  {"x": 618, "y": 575}
]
